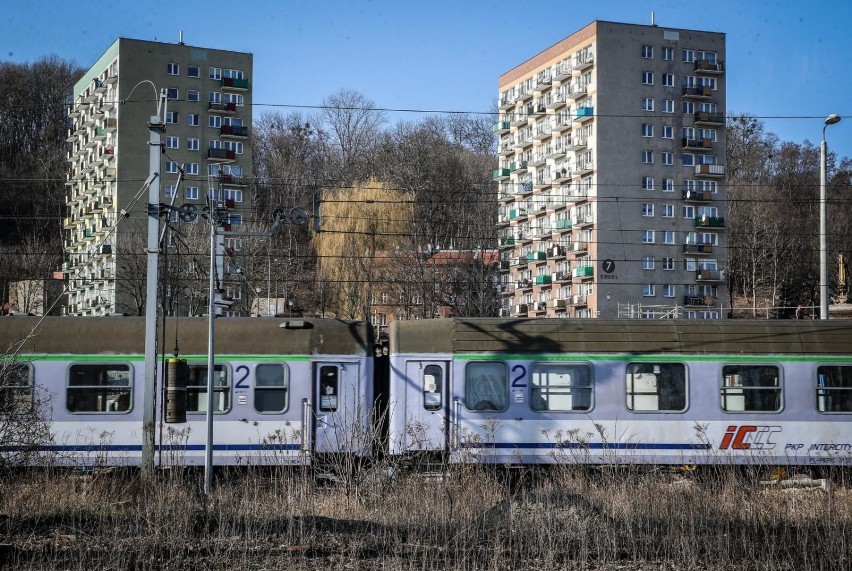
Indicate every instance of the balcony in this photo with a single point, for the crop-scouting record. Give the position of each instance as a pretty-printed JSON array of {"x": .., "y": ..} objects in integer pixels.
[
  {"x": 233, "y": 180},
  {"x": 710, "y": 119},
  {"x": 709, "y": 222},
  {"x": 519, "y": 120},
  {"x": 510, "y": 241},
  {"x": 557, "y": 251},
  {"x": 542, "y": 85},
  {"x": 697, "y": 196},
  {"x": 538, "y": 306},
  {"x": 233, "y": 84},
  {"x": 543, "y": 280},
  {"x": 521, "y": 309},
  {"x": 233, "y": 132},
  {"x": 501, "y": 127},
  {"x": 222, "y": 108},
  {"x": 698, "y": 248},
  {"x": 579, "y": 247},
  {"x": 507, "y": 103},
  {"x": 562, "y": 276},
  {"x": 581, "y": 64},
  {"x": 562, "y": 124},
  {"x": 586, "y": 220},
  {"x": 697, "y": 145},
  {"x": 525, "y": 187},
  {"x": 710, "y": 170},
  {"x": 583, "y": 168},
  {"x": 578, "y": 144},
  {"x": 110, "y": 125},
  {"x": 714, "y": 276},
  {"x": 557, "y": 100},
  {"x": 576, "y": 91},
  {"x": 697, "y": 92},
  {"x": 584, "y": 114},
  {"x": 517, "y": 213},
  {"x": 578, "y": 300},
  {"x": 563, "y": 72},
  {"x": 583, "y": 272},
  {"x": 699, "y": 301},
  {"x": 497, "y": 174},
  {"x": 518, "y": 168},
  {"x": 562, "y": 224},
  {"x": 518, "y": 262},
  {"x": 523, "y": 284},
  {"x": 221, "y": 155},
  {"x": 703, "y": 66},
  {"x": 536, "y": 256},
  {"x": 542, "y": 132},
  {"x": 521, "y": 144},
  {"x": 542, "y": 183},
  {"x": 556, "y": 304}
]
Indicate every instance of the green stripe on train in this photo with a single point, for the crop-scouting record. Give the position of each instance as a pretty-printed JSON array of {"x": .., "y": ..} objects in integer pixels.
[{"x": 667, "y": 357}]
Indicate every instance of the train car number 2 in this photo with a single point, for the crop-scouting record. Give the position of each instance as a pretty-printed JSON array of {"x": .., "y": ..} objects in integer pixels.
[
  {"x": 242, "y": 382},
  {"x": 519, "y": 381}
]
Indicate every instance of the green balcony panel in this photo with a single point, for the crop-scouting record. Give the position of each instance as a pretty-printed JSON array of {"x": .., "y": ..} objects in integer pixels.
[{"x": 542, "y": 280}]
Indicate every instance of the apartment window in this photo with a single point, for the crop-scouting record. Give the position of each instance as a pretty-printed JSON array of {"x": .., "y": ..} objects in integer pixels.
[
  {"x": 233, "y": 73},
  {"x": 171, "y": 167},
  {"x": 214, "y": 170},
  {"x": 172, "y": 93},
  {"x": 216, "y": 73},
  {"x": 647, "y": 52},
  {"x": 689, "y": 212},
  {"x": 647, "y": 183},
  {"x": 688, "y": 107},
  {"x": 236, "y": 146},
  {"x": 667, "y": 158},
  {"x": 647, "y": 262},
  {"x": 193, "y": 119},
  {"x": 191, "y": 193},
  {"x": 668, "y": 185},
  {"x": 647, "y": 130},
  {"x": 169, "y": 190},
  {"x": 668, "y": 290},
  {"x": 668, "y": 132},
  {"x": 214, "y": 144},
  {"x": 173, "y": 68},
  {"x": 667, "y": 54},
  {"x": 689, "y": 265},
  {"x": 192, "y": 168},
  {"x": 99, "y": 388},
  {"x": 172, "y": 142},
  {"x": 648, "y": 157},
  {"x": 192, "y": 144},
  {"x": 668, "y": 237},
  {"x": 648, "y": 290},
  {"x": 235, "y": 219},
  {"x": 647, "y": 209},
  {"x": 668, "y": 80},
  {"x": 172, "y": 117},
  {"x": 235, "y": 195},
  {"x": 214, "y": 97},
  {"x": 688, "y": 56},
  {"x": 667, "y": 210},
  {"x": 237, "y": 99},
  {"x": 193, "y": 71},
  {"x": 668, "y": 105},
  {"x": 193, "y": 95},
  {"x": 647, "y": 236},
  {"x": 647, "y": 78},
  {"x": 215, "y": 122},
  {"x": 647, "y": 104},
  {"x": 688, "y": 159},
  {"x": 668, "y": 264}
]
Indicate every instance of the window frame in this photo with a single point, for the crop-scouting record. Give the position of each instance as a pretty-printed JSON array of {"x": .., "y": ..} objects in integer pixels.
[
  {"x": 172, "y": 68},
  {"x": 428, "y": 403},
  {"x": 842, "y": 389},
  {"x": 724, "y": 388},
  {"x": 128, "y": 388},
  {"x": 271, "y": 389},
  {"x": 201, "y": 388},
  {"x": 12, "y": 395},
  {"x": 660, "y": 364},
  {"x": 189, "y": 70},
  {"x": 467, "y": 384},
  {"x": 536, "y": 394}
]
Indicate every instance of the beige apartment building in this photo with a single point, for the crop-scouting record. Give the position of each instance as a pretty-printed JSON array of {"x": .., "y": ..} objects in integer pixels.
[
  {"x": 612, "y": 178},
  {"x": 207, "y": 118}
]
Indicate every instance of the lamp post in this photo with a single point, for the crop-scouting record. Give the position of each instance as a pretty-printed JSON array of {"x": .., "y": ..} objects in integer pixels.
[{"x": 823, "y": 234}]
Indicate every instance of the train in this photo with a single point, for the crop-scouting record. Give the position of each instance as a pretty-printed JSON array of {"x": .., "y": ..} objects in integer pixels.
[{"x": 460, "y": 390}]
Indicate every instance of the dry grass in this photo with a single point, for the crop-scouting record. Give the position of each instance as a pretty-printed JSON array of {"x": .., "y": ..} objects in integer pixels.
[{"x": 464, "y": 518}]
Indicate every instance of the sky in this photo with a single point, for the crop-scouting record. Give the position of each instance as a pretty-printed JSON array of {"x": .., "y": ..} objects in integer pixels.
[{"x": 789, "y": 63}]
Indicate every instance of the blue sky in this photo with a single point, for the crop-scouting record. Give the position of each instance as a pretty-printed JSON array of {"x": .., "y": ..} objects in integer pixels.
[{"x": 790, "y": 62}]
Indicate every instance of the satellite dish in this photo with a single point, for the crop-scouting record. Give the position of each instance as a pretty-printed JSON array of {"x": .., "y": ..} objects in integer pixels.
[
  {"x": 298, "y": 216},
  {"x": 188, "y": 212}
]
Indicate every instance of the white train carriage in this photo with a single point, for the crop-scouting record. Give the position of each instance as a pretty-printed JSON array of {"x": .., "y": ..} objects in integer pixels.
[
  {"x": 639, "y": 391},
  {"x": 284, "y": 391}
]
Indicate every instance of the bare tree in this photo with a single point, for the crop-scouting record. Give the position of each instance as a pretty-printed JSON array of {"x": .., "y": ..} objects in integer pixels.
[{"x": 353, "y": 124}]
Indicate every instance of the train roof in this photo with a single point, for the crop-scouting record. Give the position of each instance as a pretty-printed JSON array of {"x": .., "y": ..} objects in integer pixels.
[
  {"x": 233, "y": 336},
  {"x": 681, "y": 336}
]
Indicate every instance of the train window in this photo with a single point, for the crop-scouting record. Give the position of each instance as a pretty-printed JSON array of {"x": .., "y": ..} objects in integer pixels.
[
  {"x": 271, "y": 387},
  {"x": 433, "y": 382},
  {"x": 16, "y": 388},
  {"x": 328, "y": 389},
  {"x": 653, "y": 387},
  {"x": 99, "y": 389},
  {"x": 834, "y": 389},
  {"x": 486, "y": 386},
  {"x": 751, "y": 388},
  {"x": 561, "y": 386},
  {"x": 196, "y": 389}
]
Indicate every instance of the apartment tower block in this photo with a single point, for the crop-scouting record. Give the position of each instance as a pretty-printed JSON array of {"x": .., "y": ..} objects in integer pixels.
[
  {"x": 208, "y": 114},
  {"x": 611, "y": 176}
]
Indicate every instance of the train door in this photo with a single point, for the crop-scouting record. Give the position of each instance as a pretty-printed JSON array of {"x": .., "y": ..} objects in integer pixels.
[
  {"x": 480, "y": 399},
  {"x": 337, "y": 413},
  {"x": 427, "y": 406}
]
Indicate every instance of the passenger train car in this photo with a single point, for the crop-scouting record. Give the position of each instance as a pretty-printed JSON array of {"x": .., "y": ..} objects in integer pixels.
[
  {"x": 637, "y": 391},
  {"x": 537, "y": 391},
  {"x": 284, "y": 389}
]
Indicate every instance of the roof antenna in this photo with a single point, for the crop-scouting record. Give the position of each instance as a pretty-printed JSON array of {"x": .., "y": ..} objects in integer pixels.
[
  {"x": 652, "y": 19},
  {"x": 180, "y": 38}
]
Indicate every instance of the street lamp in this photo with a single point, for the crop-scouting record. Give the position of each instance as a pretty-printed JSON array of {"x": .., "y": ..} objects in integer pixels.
[{"x": 823, "y": 234}]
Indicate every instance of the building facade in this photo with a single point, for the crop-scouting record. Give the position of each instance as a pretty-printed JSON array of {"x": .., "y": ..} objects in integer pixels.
[
  {"x": 207, "y": 117},
  {"x": 611, "y": 176}
]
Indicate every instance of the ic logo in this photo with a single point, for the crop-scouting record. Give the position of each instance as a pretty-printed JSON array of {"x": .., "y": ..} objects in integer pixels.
[{"x": 749, "y": 437}]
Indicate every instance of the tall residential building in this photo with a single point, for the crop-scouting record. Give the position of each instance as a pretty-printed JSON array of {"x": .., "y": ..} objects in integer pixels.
[
  {"x": 206, "y": 130},
  {"x": 611, "y": 175}
]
